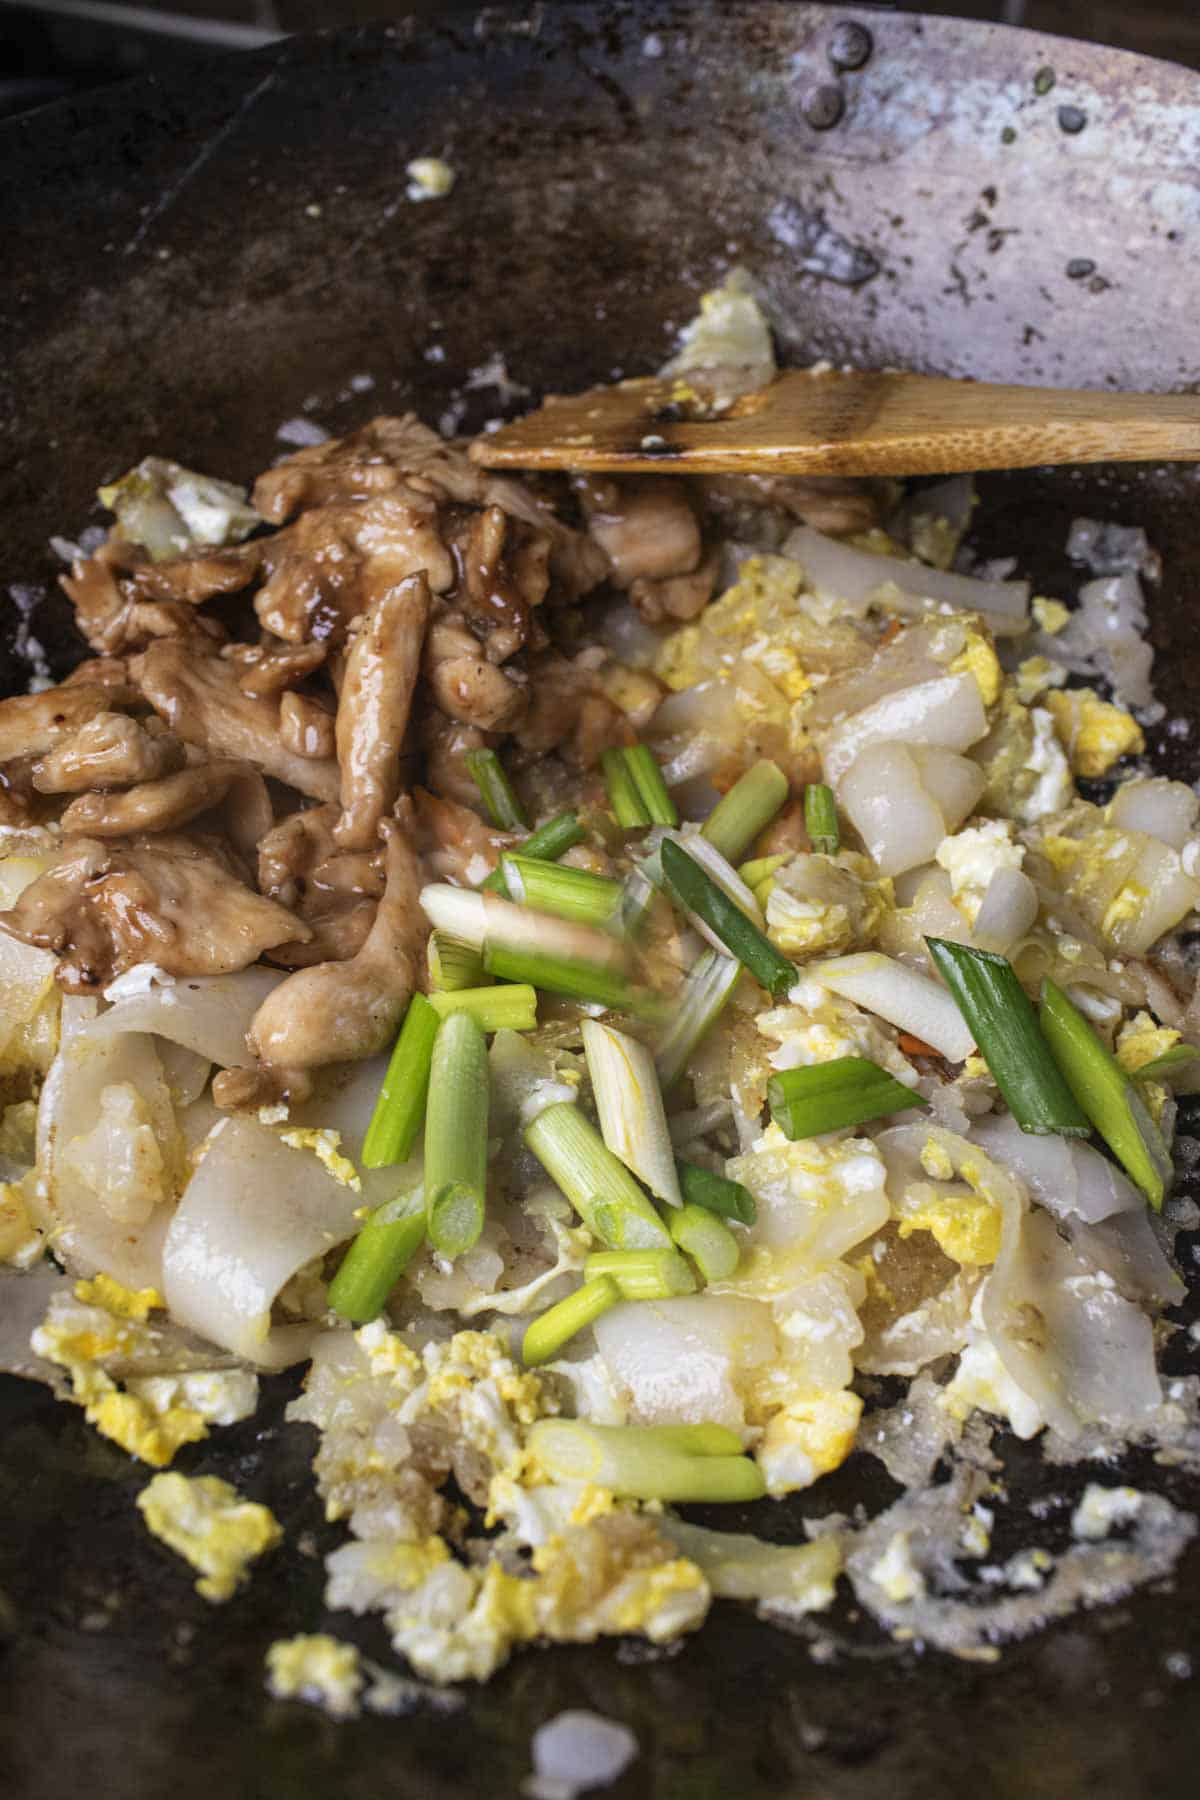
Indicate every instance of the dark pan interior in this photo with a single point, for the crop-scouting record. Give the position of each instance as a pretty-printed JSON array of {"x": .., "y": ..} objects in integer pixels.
[{"x": 187, "y": 266}]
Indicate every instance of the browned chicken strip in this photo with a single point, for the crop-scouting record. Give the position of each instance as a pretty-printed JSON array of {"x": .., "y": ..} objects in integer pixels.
[
  {"x": 377, "y": 690},
  {"x": 647, "y": 529},
  {"x": 464, "y": 684},
  {"x": 175, "y": 901},
  {"x": 33, "y": 724},
  {"x": 340, "y": 1011},
  {"x": 201, "y": 700},
  {"x": 110, "y": 750},
  {"x": 161, "y": 805}
]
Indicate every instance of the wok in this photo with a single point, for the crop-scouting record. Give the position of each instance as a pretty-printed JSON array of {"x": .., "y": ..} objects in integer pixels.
[{"x": 188, "y": 264}]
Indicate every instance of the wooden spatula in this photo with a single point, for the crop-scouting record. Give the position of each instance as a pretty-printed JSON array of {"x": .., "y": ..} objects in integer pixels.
[{"x": 826, "y": 422}]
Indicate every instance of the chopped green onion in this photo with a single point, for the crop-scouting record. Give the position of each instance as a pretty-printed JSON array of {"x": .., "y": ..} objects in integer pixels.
[
  {"x": 624, "y": 800},
  {"x": 508, "y": 1007},
  {"x": 651, "y": 788},
  {"x": 557, "y": 955},
  {"x": 546, "y": 844},
  {"x": 1000, "y": 1018},
  {"x": 1106, "y": 1094},
  {"x": 488, "y": 773},
  {"x": 643, "y": 1274},
  {"x": 700, "y": 1187},
  {"x": 707, "y": 1240},
  {"x": 749, "y": 806},
  {"x": 638, "y": 896},
  {"x": 707, "y": 1439},
  {"x": 545, "y": 1337},
  {"x": 456, "y": 1136},
  {"x": 598, "y": 1185},
  {"x": 378, "y": 1257},
  {"x": 629, "y": 1103},
  {"x": 761, "y": 869},
  {"x": 820, "y": 818},
  {"x": 453, "y": 964},
  {"x": 575, "y": 978},
  {"x": 1171, "y": 1060},
  {"x": 741, "y": 937},
  {"x": 642, "y": 1462},
  {"x": 567, "y": 893},
  {"x": 710, "y": 982},
  {"x": 828, "y": 1096},
  {"x": 400, "y": 1107}
]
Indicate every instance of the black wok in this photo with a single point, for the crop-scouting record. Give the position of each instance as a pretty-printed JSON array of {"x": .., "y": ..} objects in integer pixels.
[{"x": 185, "y": 266}]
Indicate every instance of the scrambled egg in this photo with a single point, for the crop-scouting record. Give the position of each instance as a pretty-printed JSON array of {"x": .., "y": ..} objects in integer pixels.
[
  {"x": 808, "y": 1438},
  {"x": 326, "y": 1147},
  {"x": 615, "y": 1576},
  {"x": 819, "y": 907},
  {"x": 1050, "y": 616},
  {"x": 155, "y": 1414},
  {"x": 207, "y": 1522},
  {"x": 319, "y": 1669},
  {"x": 1140, "y": 1041},
  {"x": 982, "y": 1381},
  {"x": 20, "y": 1241},
  {"x": 1035, "y": 676},
  {"x": 980, "y": 659},
  {"x": 1094, "y": 732},
  {"x": 1103, "y": 1508},
  {"x": 896, "y": 1572},
  {"x": 1047, "y": 782},
  {"x": 818, "y": 1026},
  {"x": 972, "y": 857},
  {"x": 965, "y": 1226}
]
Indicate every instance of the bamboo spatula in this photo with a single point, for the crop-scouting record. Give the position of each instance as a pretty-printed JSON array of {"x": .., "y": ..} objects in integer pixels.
[{"x": 826, "y": 422}]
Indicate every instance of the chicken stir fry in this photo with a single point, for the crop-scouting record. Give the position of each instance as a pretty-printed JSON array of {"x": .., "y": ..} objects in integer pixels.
[{"x": 607, "y": 972}]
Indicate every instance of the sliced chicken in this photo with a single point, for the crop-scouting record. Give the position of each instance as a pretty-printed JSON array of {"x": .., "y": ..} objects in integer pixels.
[
  {"x": 110, "y": 750},
  {"x": 308, "y": 726},
  {"x": 373, "y": 707},
  {"x": 34, "y": 724},
  {"x": 122, "y": 604},
  {"x": 328, "y": 567},
  {"x": 464, "y": 684},
  {"x": 677, "y": 598},
  {"x": 200, "y": 699},
  {"x": 162, "y": 805},
  {"x": 341, "y": 1011},
  {"x": 838, "y": 505},
  {"x": 646, "y": 528},
  {"x": 334, "y": 891},
  {"x": 179, "y": 902},
  {"x": 268, "y": 669}
]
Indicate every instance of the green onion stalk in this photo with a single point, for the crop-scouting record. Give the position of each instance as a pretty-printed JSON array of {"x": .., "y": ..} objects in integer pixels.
[
  {"x": 697, "y": 891},
  {"x": 456, "y": 1136},
  {"x": 679, "y": 1465},
  {"x": 700, "y": 1187},
  {"x": 643, "y": 1274},
  {"x": 598, "y": 1185},
  {"x": 1001, "y": 1019},
  {"x": 1106, "y": 1095},
  {"x": 820, "y": 819},
  {"x": 829, "y": 1096},
  {"x": 377, "y": 1258},
  {"x": 546, "y": 1335},
  {"x": 546, "y": 844},
  {"x": 748, "y": 808},
  {"x": 400, "y": 1107},
  {"x": 488, "y": 773}
]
